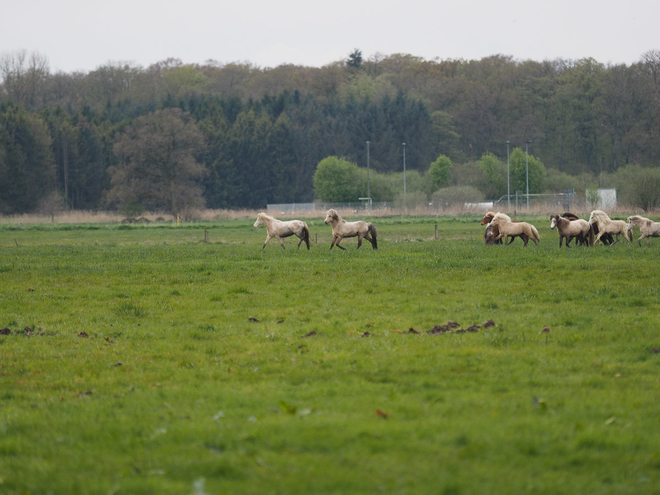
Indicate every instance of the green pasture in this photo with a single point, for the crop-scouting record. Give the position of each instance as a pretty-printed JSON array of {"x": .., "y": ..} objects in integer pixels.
[{"x": 143, "y": 360}]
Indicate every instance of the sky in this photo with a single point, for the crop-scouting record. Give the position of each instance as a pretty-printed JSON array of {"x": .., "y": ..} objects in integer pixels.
[{"x": 81, "y": 35}]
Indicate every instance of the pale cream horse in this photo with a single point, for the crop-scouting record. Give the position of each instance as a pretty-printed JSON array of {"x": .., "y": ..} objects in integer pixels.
[
  {"x": 341, "y": 228},
  {"x": 510, "y": 229},
  {"x": 607, "y": 225},
  {"x": 648, "y": 228},
  {"x": 278, "y": 229}
]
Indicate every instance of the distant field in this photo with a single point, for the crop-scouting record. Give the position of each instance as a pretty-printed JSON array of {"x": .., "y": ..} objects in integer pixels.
[{"x": 141, "y": 359}]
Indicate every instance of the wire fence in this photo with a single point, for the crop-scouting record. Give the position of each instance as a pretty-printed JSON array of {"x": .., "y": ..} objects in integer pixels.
[{"x": 519, "y": 201}]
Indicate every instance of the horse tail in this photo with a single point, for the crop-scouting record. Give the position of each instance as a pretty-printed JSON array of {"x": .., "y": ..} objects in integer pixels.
[
  {"x": 374, "y": 235},
  {"x": 591, "y": 235},
  {"x": 536, "y": 233},
  {"x": 306, "y": 234}
]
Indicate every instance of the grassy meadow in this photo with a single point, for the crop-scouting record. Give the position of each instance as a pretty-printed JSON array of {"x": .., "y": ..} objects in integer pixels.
[{"x": 143, "y": 360}]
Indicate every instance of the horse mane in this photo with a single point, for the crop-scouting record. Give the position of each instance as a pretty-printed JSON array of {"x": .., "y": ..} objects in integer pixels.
[
  {"x": 500, "y": 216},
  {"x": 600, "y": 215},
  {"x": 333, "y": 213},
  {"x": 561, "y": 219},
  {"x": 261, "y": 214},
  {"x": 640, "y": 219},
  {"x": 570, "y": 216}
]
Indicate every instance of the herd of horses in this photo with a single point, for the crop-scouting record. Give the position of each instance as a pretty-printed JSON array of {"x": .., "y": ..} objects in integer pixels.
[
  {"x": 499, "y": 229},
  {"x": 599, "y": 228}
]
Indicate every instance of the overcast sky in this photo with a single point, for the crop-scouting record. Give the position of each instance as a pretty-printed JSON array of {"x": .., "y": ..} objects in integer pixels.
[{"x": 80, "y": 35}]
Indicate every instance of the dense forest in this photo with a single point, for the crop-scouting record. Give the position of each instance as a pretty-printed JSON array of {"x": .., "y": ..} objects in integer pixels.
[{"x": 176, "y": 135}]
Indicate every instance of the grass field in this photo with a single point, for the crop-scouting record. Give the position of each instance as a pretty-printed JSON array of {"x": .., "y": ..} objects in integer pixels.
[{"x": 134, "y": 363}]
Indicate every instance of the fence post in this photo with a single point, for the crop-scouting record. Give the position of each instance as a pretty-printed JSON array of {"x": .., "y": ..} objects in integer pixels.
[
  {"x": 206, "y": 236},
  {"x": 436, "y": 231}
]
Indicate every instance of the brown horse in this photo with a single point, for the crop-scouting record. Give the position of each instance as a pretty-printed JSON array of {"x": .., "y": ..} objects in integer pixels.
[
  {"x": 569, "y": 229},
  {"x": 341, "y": 228}
]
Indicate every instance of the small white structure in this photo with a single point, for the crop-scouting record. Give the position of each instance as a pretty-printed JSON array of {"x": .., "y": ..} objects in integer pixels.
[
  {"x": 607, "y": 199},
  {"x": 485, "y": 206}
]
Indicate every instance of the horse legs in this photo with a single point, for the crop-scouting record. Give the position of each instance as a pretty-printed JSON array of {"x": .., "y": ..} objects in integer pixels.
[
  {"x": 268, "y": 238},
  {"x": 281, "y": 242},
  {"x": 368, "y": 237},
  {"x": 359, "y": 241},
  {"x": 335, "y": 242},
  {"x": 600, "y": 234},
  {"x": 617, "y": 240}
]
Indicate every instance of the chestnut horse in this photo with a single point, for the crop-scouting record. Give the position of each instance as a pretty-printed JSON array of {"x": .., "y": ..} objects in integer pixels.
[
  {"x": 278, "y": 229},
  {"x": 341, "y": 229}
]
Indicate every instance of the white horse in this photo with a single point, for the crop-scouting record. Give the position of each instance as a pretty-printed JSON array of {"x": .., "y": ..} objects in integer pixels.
[
  {"x": 648, "y": 228},
  {"x": 607, "y": 225},
  {"x": 341, "y": 228},
  {"x": 278, "y": 229}
]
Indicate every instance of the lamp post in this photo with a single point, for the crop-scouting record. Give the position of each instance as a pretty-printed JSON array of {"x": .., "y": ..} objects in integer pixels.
[
  {"x": 404, "y": 174},
  {"x": 527, "y": 169},
  {"x": 368, "y": 186},
  {"x": 508, "y": 181}
]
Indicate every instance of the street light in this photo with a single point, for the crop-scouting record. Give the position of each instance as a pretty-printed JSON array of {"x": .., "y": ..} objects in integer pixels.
[
  {"x": 527, "y": 167},
  {"x": 404, "y": 174},
  {"x": 508, "y": 182},
  {"x": 368, "y": 188}
]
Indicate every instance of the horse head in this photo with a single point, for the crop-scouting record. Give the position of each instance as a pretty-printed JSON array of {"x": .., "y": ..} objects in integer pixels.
[
  {"x": 499, "y": 218},
  {"x": 260, "y": 220},
  {"x": 331, "y": 216},
  {"x": 488, "y": 217},
  {"x": 553, "y": 221}
]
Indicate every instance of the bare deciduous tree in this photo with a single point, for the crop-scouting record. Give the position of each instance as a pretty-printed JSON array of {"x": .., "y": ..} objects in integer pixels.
[
  {"x": 158, "y": 166},
  {"x": 23, "y": 76}
]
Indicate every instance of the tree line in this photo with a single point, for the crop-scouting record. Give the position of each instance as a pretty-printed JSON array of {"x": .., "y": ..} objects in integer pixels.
[{"x": 244, "y": 136}]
